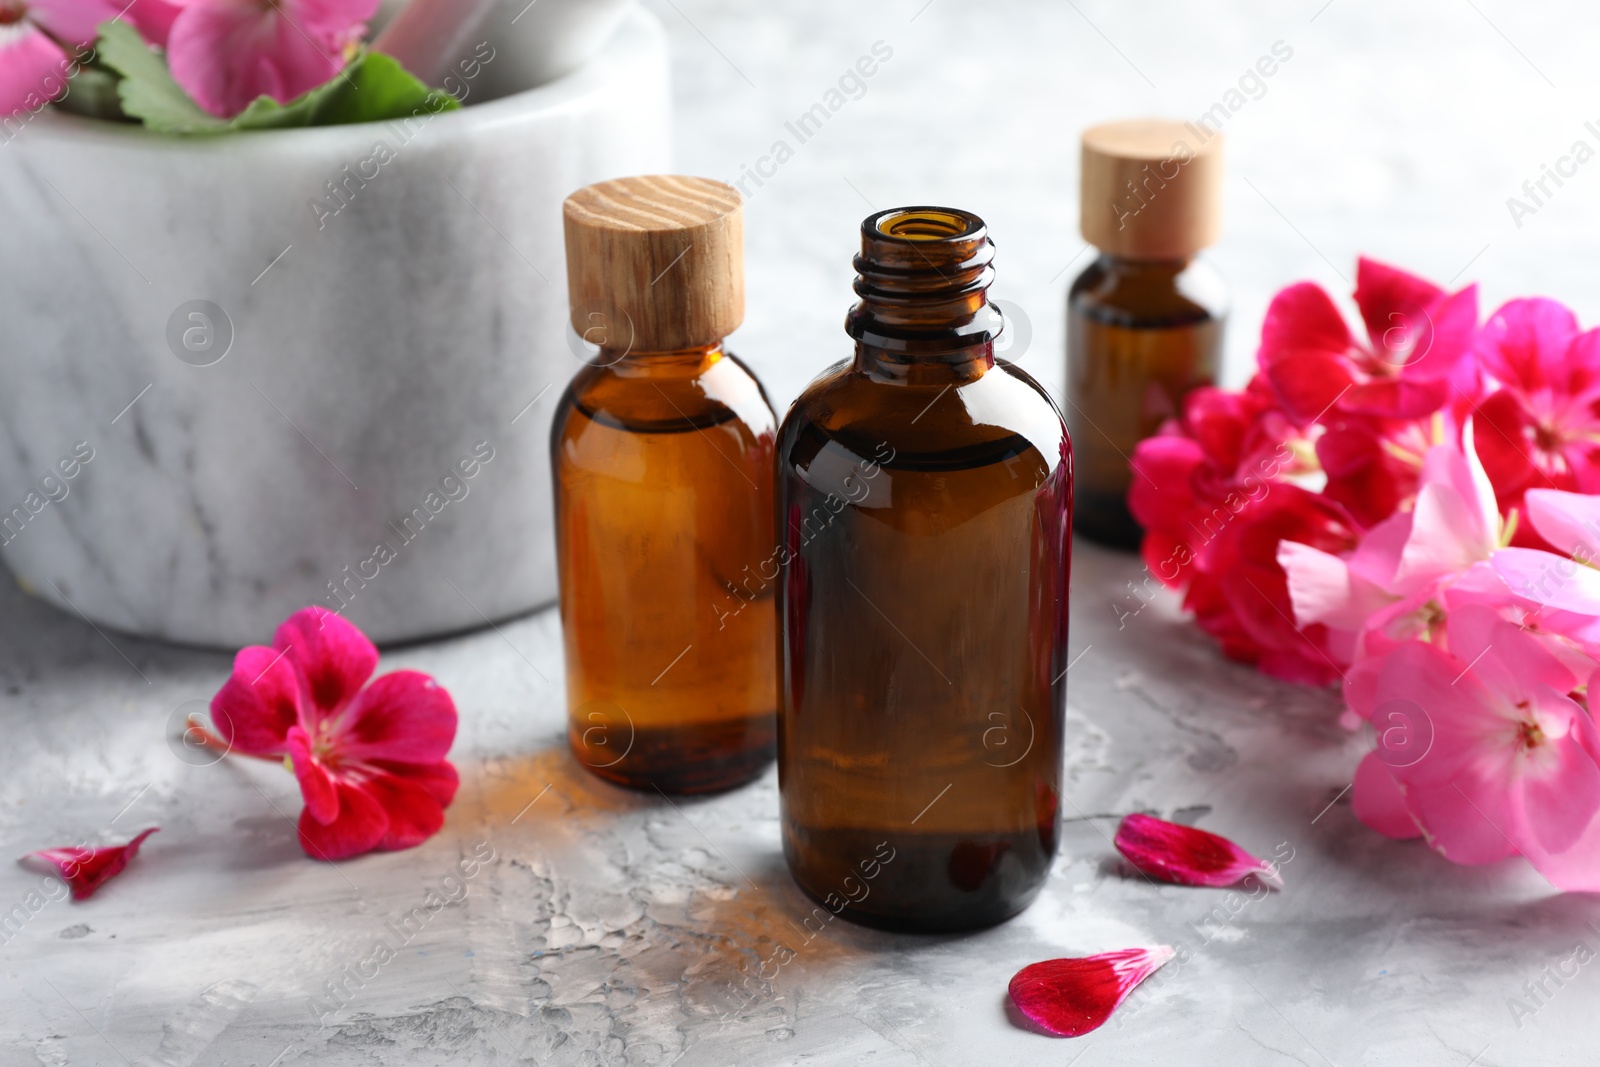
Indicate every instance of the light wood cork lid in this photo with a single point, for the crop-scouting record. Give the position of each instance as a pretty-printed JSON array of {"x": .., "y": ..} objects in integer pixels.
[
  {"x": 1151, "y": 189},
  {"x": 656, "y": 262}
]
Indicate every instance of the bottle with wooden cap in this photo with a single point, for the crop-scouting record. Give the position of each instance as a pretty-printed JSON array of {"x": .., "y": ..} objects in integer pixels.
[
  {"x": 1144, "y": 320},
  {"x": 662, "y": 453},
  {"x": 924, "y": 499}
]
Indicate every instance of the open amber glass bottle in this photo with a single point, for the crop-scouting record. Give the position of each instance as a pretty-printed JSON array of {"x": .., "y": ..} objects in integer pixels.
[
  {"x": 1145, "y": 319},
  {"x": 662, "y": 452},
  {"x": 924, "y": 502}
]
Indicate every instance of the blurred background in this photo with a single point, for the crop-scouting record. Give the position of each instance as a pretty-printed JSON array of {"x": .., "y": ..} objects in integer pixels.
[{"x": 1396, "y": 131}]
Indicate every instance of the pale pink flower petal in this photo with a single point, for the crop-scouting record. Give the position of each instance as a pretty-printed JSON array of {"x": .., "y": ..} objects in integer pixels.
[
  {"x": 1378, "y": 802},
  {"x": 1546, "y": 578},
  {"x": 1071, "y": 997},
  {"x": 1569, "y": 521},
  {"x": 1576, "y": 869},
  {"x": 75, "y": 22},
  {"x": 1455, "y": 521},
  {"x": 30, "y": 66},
  {"x": 226, "y": 53},
  {"x": 1324, "y": 588},
  {"x": 154, "y": 18},
  {"x": 1185, "y": 855}
]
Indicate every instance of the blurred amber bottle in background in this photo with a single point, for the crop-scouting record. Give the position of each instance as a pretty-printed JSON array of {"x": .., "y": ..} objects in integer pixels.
[
  {"x": 1145, "y": 319},
  {"x": 662, "y": 454},
  {"x": 924, "y": 500}
]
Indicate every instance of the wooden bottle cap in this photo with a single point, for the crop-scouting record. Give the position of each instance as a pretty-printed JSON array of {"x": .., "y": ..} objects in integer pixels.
[
  {"x": 1151, "y": 189},
  {"x": 655, "y": 263}
]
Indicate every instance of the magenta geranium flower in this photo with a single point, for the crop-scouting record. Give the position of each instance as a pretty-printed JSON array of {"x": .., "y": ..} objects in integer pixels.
[
  {"x": 226, "y": 53},
  {"x": 370, "y": 761},
  {"x": 1541, "y": 429},
  {"x": 1414, "y": 355}
]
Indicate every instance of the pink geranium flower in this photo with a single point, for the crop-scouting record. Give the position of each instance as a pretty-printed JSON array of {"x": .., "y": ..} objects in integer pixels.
[
  {"x": 1541, "y": 428},
  {"x": 226, "y": 53},
  {"x": 1494, "y": 759},
  {"x": 370, "y": 762},
  {"x": 1390, "y": 588},
  {"x": 34, "y": 38}
]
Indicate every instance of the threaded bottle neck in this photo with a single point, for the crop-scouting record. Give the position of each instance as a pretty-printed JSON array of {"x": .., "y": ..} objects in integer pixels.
[{"x": 923, "y": 276}]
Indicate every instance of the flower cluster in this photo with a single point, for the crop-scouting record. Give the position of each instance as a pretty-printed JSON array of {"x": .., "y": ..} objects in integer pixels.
[
  {"x": 223, "y": 53},
  {"x": 1406, "y": 513}
]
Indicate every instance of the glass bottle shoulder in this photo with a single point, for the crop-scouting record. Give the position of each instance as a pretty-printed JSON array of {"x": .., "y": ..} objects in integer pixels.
[
  {"x": 669, "y": 393},
  {"x": 1152, "y": 294},
  {"x": 957, "y": 424}
]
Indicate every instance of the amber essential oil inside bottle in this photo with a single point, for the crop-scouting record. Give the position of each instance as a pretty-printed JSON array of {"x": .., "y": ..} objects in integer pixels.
[
  {"x": 925, "y": 505},
  {"x": 1145, "y": 319},
  {"x": 663, "y": 492}
]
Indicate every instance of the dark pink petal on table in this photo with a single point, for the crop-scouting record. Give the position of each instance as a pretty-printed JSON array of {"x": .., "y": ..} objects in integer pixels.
[
  {"x": 87, "y": 869},
  {"x": 1071, "y": 997},
  {"x": 1187, "y": 856}
]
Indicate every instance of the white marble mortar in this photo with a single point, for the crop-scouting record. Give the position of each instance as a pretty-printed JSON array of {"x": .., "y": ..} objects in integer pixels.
[{"x": 374, "y": 344}]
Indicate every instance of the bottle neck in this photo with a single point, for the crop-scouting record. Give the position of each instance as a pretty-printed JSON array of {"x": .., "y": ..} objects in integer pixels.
[
  {"x": 923, "y": 276},
  {"x": 664, "y": 363},
  {"x": 1152, "y": 268}
]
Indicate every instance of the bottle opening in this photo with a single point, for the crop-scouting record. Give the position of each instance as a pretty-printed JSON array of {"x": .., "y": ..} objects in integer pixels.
[
  {"x": 927, "y": 224},
  {"x": 922, "y": 276}
]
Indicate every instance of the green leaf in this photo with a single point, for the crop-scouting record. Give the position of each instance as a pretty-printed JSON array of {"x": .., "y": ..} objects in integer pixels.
[
  {"x": 147, "y": 90},
  {"x": 372, "y": 88}
]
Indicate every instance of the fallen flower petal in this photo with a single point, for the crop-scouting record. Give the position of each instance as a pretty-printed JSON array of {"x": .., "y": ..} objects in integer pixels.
[
  {"x": 1187, "y": 856},
  {"x": 1071, "y": 997},
  {"x": 87, "y": 869}
]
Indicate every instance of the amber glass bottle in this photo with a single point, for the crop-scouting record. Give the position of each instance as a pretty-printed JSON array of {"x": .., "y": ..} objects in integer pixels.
[
  {"x": 1145, "y": 319},
  {"x": 924, "y": 499},
  {"x": 662, "y": 451}
]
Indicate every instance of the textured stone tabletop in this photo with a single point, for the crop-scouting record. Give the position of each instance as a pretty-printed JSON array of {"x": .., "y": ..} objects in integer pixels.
[{"x": 600, "y": 926}]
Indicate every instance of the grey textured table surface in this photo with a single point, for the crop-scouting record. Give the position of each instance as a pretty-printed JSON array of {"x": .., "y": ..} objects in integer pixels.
[{"x": 615, "y": 928}]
